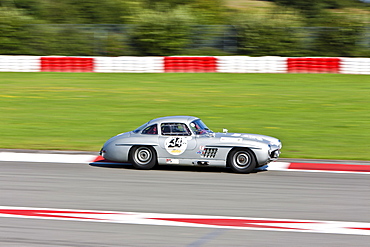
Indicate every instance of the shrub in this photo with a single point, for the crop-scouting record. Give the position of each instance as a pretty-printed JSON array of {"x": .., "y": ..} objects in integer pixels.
[
  {"x": 14, "y": 32},
  {"x": 266, "y": 35},
  {"x": 162, "y": 32},
  {"x": 337, "y": 36},
  {"x": 204, "y": 51}
]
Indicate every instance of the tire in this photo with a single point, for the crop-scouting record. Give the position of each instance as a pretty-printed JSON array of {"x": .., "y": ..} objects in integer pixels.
[
  {"x": 241, "y": 160},
  {"x": 143, "y": 157}
]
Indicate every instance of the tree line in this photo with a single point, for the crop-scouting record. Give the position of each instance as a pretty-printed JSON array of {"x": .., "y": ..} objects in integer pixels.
[{"x": 181, "y": 27}]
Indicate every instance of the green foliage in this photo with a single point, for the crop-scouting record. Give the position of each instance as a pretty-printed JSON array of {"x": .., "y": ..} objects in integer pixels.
[
  {"x": 162, "y": 32},
  {"x": 78, "y": 12},
  {"x": 204, "y": 51},
  {"x": 72, "y": 42},
  {"x": 153, "y": 4},
  {"x": 104, "y": 12},
  {"x": 315, "y": 6},
  {"x": 310, "y": 9},
  {"x": 31, "y": 7},
  {"x": 14, "y": 32},
  {"x": 313, "y": 9},
  {"x": 339, "y": 36},
  {"x": 269, "y": 36},
  {"x": 339, "y": 4},
  {"x": 56, "y": 12},
  {"x": 210, "y": 12},
  {"x": 117, "y": 44},
  {"x": 175, "y": 27}
]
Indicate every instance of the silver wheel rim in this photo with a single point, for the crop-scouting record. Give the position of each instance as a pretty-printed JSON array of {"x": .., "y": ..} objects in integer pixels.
[
  {"x": 143, "y": 156},
  {"x": 242, "y": 159}
]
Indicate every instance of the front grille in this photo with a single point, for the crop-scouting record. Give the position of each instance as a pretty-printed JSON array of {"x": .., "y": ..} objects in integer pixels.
[
  {"x": 209, "y": 152},
  {"x": 275, "y": 154}
]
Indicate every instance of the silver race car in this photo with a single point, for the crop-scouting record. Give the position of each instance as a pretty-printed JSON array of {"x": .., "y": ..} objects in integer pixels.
[{"x": 186, "y": 140}]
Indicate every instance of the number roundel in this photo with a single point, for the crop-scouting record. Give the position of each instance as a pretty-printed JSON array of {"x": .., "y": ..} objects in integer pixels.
[{"x": 176, "y": 145}]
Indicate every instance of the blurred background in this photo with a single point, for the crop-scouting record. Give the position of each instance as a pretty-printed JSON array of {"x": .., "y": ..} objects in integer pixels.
[
  {"x": 266, "y": 45},
  {"x": 185, "y": 27}
]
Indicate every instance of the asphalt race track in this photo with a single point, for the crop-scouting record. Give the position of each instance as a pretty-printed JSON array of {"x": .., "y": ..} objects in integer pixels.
[{"x": 307, "y": 196}]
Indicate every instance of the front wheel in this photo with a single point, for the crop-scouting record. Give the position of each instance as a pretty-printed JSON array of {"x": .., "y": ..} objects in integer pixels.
[
  {"x": 143, "y": 157},
  {"x": 242, "y": 161}
]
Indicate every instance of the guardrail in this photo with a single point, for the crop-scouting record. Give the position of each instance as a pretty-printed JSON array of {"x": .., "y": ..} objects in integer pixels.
[{"x": 185, "y": 64}]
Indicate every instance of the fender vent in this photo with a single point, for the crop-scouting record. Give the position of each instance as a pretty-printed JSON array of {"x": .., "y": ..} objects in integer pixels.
[{"x": 209, "y": 152}]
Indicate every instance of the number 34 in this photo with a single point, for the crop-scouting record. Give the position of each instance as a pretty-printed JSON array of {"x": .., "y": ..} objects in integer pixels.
[{"x": 175, "y": 142}]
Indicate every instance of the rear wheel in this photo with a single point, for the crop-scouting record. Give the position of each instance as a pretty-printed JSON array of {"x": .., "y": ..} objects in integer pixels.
[
  {"x": 143, "y": 157},
  {"x": 241, "y": 160}
]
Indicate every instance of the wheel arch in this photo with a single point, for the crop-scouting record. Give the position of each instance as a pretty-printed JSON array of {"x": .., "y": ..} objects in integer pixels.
[
  {"x": 133, "y": 147},
  {"x": 239, "y": 148},
  {"x": 143, "y": 157}
]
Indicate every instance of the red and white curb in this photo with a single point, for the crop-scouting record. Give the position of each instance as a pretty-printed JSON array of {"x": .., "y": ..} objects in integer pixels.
[
  {"x": 274, "y": 166},
  {"x": 181, "y": 220},
  {"x": 45, "y": 157},
  {"x": 319, "y": 167}
]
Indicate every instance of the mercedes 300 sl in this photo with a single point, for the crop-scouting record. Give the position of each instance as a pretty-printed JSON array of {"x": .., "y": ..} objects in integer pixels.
[{"x": 186, "y": 140}]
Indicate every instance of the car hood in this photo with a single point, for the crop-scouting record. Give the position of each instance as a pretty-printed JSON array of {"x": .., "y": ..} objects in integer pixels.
[
  {"x": 118, "y": 137},
  {"x": 240, "y": 137}
]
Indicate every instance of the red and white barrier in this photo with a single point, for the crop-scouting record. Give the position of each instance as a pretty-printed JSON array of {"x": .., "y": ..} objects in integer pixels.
[
  {"x": 313, "y": 65},
  {"x": 190, "y": 64},
  {"x": 186, "y": 64},
  {"x": 19, "y": 64},
  {"x": 243, "y": 64},
  {"x": 129, "y": 64},
  {"x": 355, "y": 66},
  {"x": 67, "y": 64}
]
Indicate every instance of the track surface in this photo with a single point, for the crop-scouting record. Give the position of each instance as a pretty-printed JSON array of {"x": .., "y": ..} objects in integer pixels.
[{"x": 169, "y": 190}]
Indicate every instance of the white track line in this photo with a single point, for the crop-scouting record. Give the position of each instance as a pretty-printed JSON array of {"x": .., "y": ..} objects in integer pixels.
[{"x": 182, "y": 220}]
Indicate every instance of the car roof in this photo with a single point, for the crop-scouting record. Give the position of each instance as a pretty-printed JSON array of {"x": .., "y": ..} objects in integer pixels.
[{"x": 173, "y": 119}]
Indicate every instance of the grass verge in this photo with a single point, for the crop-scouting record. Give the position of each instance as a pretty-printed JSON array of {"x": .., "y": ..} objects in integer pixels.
[{"x": 315, "y": 115}]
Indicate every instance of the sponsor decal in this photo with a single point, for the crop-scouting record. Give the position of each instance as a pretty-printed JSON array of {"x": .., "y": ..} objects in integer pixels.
[
  {"x": 172, "y": 161},
  {"x": 201, "y": 150},
  {"x": 176, "y": 145}
]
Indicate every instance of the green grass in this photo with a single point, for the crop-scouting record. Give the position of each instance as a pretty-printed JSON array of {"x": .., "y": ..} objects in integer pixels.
[{"x": 315, "y": 115}]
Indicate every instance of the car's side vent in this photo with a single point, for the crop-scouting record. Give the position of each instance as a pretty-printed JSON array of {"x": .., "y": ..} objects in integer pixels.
[{"x": 209, "y": 152}]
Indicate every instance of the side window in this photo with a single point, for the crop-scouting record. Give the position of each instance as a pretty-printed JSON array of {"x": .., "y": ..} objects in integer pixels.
[
  {"x": 150, "y": 130},
  {"x": 175, "y": 129}
]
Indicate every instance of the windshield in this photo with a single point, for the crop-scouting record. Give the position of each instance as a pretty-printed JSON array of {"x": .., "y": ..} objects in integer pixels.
[
  {"x": 199, "y": 128},
  {"x": 140, "y": 128}
]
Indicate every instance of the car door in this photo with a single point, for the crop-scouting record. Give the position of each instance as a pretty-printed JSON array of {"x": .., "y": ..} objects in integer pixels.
[{"x": 177, "y": 141}]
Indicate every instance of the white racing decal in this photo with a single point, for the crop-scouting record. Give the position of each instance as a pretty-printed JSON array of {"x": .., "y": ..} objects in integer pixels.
[
  {"x": 231, "y": 139},
  {"x": 240, "y": 223},
  {"x": 176, "y": 145},
  {"x": 236, "y": 134},
  {"x": 253, "y": 137}
]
